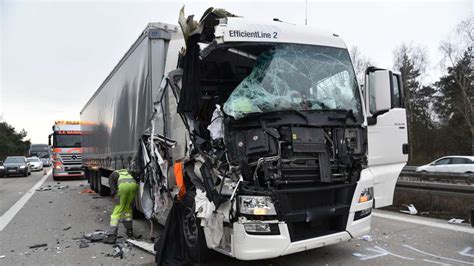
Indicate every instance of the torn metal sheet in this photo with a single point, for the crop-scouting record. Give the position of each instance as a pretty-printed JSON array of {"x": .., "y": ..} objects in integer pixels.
[
  {"x": 148, "y": 247},
  {"x": 411, "y": 209}
]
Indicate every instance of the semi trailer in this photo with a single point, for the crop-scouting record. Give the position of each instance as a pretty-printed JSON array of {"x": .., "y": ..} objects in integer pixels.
[{"x": 258, "y": 128}]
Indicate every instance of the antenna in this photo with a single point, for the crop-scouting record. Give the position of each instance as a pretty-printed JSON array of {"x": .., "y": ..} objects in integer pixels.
[
  {"x": 279, "y": 20},
  {"x": 306, "y": 13}
]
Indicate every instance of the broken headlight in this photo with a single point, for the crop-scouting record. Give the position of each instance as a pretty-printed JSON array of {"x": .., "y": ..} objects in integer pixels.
[{"x": 256, "y": 205}]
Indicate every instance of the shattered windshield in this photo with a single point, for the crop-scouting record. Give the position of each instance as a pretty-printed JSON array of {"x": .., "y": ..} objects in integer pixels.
[{"x": 297, "y": 77}]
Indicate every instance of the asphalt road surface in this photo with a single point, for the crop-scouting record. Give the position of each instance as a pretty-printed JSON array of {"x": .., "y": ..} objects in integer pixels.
[{"x": 60, "y": 216}]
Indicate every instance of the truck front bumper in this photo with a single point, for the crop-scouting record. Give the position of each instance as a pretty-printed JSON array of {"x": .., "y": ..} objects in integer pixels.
[
  {"x": 69, "y": 171},
  {"x": 247, "y": 246},
  {"x": 254, "y": 247}
]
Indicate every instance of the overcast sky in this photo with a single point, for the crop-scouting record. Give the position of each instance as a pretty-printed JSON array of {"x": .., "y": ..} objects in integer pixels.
[{"x": 55, "y": 54}]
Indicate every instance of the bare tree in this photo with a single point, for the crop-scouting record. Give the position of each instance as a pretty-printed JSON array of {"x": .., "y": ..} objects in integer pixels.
[
  {"x": 360, "y": 62},
  {"x": 417, "y": 54},
  {"x": 454, "y": 49},
  {"x": 412, "y": 62}
]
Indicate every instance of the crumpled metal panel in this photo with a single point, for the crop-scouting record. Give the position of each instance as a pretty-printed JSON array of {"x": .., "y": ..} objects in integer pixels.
[{"x": 296, "y": 77}]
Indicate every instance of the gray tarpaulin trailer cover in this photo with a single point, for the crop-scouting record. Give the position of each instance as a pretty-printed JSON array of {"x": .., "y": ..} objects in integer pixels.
[
  {"x": 128, "y": 106},
  {"x": 119, "y": 112}
]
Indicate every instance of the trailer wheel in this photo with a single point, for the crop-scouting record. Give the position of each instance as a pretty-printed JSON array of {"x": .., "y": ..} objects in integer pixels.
[
  {"x": 103, "y": 190},
  {"x": 93, "y": 181},
  {"x": 193, "y": 232}
]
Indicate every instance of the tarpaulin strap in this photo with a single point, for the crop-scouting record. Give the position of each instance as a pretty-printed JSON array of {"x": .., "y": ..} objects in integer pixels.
[{"x": 178, "y": 174}]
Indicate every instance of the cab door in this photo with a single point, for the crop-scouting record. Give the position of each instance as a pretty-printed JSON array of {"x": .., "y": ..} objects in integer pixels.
[{"x": 387, "y": 132}]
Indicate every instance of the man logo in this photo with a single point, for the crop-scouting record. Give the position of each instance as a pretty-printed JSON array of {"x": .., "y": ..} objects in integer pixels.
[{"x": 74, "y": 157}]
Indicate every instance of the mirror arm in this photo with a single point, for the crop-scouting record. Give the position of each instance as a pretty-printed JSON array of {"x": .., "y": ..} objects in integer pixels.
[{"x": 372, "y": 120}]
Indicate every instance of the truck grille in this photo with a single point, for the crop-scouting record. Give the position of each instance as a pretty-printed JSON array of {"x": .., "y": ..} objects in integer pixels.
[
  {"x": 71, "y": 158},
  {"x": 315, "y": 211}
]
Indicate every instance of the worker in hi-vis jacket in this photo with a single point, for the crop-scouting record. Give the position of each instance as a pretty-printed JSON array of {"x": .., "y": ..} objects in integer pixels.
[{"x": 123, "y": 188}]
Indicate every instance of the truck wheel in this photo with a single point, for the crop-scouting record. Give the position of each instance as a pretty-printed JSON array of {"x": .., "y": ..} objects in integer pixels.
[
  {"x": 137, "y": 214},
  {"x": 92, "y": 183},
  {"x": 193, "y": 232},
  {"x": 103, "y": 190}
]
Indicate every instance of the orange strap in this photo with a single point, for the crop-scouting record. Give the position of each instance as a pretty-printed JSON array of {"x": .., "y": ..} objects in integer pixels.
[{"x": 178, "y": 174}]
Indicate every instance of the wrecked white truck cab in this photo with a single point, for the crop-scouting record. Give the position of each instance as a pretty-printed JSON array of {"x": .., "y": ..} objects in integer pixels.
[{"x": 265, "y": 133}]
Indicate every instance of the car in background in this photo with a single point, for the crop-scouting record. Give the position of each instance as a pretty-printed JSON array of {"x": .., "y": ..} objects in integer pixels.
[
  {"x": 46, "y": 160},
  {"x": 450, "y": 164},
  {"x": 15, "y": 165},
  {"x": 35, "y": 163}
]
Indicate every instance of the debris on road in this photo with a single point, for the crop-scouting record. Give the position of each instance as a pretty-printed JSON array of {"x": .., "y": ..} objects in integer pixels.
[
  {"x": 83, "y": 244},
  {"x": 148, "y": 247},
  {"x": 44, "y": 188},
  {"x": 358, "y": 255},
  {"x": 67, "y": 228},
  {"x": 87, "y": 191},
  {"x": 366, "y": 238},
  {"x": 411, "y": 209},
  {"x": 39, "y": 245},
  {"x": 96, "y": 236},
  {"x": 456, "y": 221},
  {"x": 118, "y": 252}
]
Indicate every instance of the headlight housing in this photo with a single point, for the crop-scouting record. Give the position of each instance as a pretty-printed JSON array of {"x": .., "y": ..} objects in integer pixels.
[
  {"x": 22, "y": 167},
  {"x": 366, "y": 194},
  {"x": 256, "y": 205}
]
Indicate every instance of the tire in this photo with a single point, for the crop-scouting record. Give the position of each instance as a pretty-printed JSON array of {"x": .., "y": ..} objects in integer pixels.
[
  {"x": 25, "y": 174},
  {"x": 193, "y": 232},
  {"x": 468, "y": 172},
  {"x": 93, "y": 181},
  {"x": 56, "y": 178},
  {"x": 137, "y": 214}
]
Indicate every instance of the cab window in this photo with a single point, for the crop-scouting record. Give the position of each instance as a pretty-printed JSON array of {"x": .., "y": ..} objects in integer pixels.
[{"x": 396, "y": 92}]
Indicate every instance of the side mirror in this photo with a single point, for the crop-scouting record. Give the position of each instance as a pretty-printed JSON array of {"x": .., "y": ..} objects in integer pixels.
[{"x": 379, "y": 91}]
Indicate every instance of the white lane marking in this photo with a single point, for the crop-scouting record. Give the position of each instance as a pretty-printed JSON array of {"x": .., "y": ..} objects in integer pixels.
[
  {"x": 390, "y": 253},
  {"x": 437, "y": 262},
  {"x": 465, "y": 252},
  {"x": 15, "y": 208},
  {"x": 380, "y": 252},
  {"x": 438, "y": 257},
  {"x": 422, "y": 221}
]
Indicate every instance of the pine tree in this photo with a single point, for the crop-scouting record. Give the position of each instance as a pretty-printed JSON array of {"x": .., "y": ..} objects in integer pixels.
[
  {"x": 455, "y": 104},
  {"x": 11, "y": 141}
]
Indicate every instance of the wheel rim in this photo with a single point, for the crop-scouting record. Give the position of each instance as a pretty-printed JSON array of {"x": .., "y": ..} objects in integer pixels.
[{"x": 190, "y": 228}]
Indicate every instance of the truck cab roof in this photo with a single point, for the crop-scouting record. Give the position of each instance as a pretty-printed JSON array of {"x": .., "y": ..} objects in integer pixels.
[{"x": 239, "y": 29}]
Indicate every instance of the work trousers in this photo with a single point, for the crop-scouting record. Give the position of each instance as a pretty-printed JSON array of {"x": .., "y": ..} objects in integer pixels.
[{"x": 123, "y": 211}]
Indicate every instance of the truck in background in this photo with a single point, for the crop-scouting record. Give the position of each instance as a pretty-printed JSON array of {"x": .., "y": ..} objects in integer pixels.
[
  {"x": 43, "y": 152},
  {"x": 260, "y": 128},
  {"x": 65, "y": 143}
]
